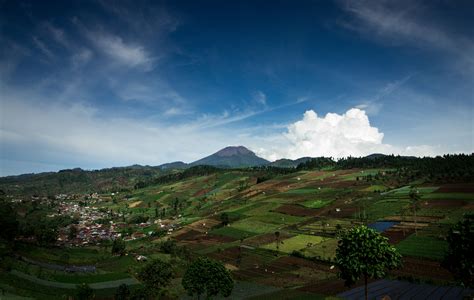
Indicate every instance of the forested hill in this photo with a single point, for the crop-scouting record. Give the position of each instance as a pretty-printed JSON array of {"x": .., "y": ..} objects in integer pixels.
[{"x": 448, "y": 168}]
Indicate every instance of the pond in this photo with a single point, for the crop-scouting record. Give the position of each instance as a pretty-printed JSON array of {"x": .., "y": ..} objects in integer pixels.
[{"x": 381, "y": 226}]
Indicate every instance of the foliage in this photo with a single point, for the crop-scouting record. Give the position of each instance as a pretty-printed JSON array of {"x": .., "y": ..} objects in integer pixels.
[
  {"x": 123, "y": 292},
  {"x": 8, "y": 223},
  {"x": 224, "y": 219},
  {"x": 363, "y": 252},
  {"x": 207, "y": 277},
  {"x": 118, "y": 247},
  {"x": 459, "y": 258},
  {"x": 84, "y": 292},
  {"x": 156, "y": 275}
]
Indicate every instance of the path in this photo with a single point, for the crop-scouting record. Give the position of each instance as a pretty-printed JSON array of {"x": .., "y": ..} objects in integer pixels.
[{"x": 62, "y": 285}]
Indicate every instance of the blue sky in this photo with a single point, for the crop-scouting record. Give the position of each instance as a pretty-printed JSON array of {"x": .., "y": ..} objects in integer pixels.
[{"x": 96, "y": 84}]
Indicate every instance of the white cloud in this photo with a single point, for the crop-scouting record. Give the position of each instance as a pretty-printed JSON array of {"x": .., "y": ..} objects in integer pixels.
[
  {"x": 128, "y": 54},
  {"x": 348, "y": 134}
]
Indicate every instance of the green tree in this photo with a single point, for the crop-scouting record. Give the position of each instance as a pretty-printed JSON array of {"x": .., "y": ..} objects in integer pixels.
[
  {"x": 122, "y": 293},
  {"x": 8, "y": 223},
  {"x": 363, "y": 252},
  {"x": 459, "y": 259},
  {"x": 277, "y": 240},
  {"x": 414, "y": 198},
  {"x": 207, "y": 277},
  {"x": 118, "y": 247},
  {"x": 225, "y": 219},
  {"x": 155, "y": 276},
  {"x": 84, "y": 292}
]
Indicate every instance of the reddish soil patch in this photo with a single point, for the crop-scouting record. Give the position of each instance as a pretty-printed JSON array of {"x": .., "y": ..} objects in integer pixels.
[
  {"x": 296, "y": 210},
  {"x": 395, "y": 236},
  {"x": 188, "y": 235},
  {"x": 340, "y": 184},
  {"x": 199, "y": 237},
  {"x": 423, "y": 268},
  {"x": 456, "y": 188},
  {"x": 266, "y": 239},
  {"x": 345, "y": 212},
  {"x": 202, "y": 192},
  {"x": 443, "y": 203}
]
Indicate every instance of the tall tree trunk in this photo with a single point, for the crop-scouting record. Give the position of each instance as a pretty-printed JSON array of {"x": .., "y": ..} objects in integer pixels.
[
  {"x": 416, "y": 227},
  {"x": 366, "y": 288}
]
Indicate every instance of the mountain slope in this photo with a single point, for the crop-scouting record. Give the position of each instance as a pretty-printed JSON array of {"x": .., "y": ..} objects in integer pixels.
[
  {"x": 289, "y": 163},
  {"x": 232, "y": 157}
]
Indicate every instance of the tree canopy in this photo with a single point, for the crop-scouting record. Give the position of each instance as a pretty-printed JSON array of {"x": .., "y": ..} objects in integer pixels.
[
  {"x": 207, "y": 277},
  {"x": 459, "y": 258},
  {"x": 363, "y": 252},
  {"x": 156, "y": 275}
]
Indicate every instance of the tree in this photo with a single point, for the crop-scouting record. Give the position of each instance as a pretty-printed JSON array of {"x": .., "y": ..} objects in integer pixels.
[
  {"x": 363, "y": 252},
  {"x": 208, "y": 277},
  {"x": 155, "y": 276},
  {"x": 84, "y": 292},
  {"x": 8, "y": 223},
  {"x": 123, "y": 292},
  {"x": 459, "y": 259},
  {"x": 414, "y": 198},
  {"x": 118, "y": 247},
  {"x": 72, "y": 232},
  {"x": 225, "y": 219},
  {"x": 277, "y": 239}
]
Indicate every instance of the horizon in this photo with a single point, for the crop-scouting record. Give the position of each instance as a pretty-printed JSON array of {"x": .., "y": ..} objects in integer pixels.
[{"x": 97, "y": 84}]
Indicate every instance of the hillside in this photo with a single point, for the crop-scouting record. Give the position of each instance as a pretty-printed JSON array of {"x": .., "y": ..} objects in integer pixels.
[{"x": 183, "y": 210}]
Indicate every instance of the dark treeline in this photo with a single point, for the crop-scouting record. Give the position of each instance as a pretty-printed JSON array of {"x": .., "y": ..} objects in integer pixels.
[{"x": 446, "y": 167}]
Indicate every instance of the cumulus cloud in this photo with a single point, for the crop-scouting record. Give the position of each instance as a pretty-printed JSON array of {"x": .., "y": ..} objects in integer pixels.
[{"x": 348, "y": 134}]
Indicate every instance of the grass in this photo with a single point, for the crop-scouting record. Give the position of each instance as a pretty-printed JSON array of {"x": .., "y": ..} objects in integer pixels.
[
  {"x": 277, "y": 218},
  {"x": 302, "y": 191},
  {"x": 454, "y": 196},
  {"x": 295, "y": 243},
  {"x": 423, "y": 246},
  {"x": 89, "y": 278},
  {"x": 325, "y": 250},
  {"x": 319, "y": 203},
  {"x": 384, "y": 208},
  {"x": 232, "y": 232},
  {"x": 255, "y": 226},
  {"x": 376, "y": 187}
]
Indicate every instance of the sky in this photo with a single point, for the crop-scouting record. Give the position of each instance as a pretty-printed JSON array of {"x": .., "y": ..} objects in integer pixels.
[{"x": 97, "y": 84}]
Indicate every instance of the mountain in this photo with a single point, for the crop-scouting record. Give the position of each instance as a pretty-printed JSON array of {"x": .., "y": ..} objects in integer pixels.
[
  {"x": 232, "y": 157},
  {"x": 173, "y": 165},
  {"x": 289, "y": 163}
]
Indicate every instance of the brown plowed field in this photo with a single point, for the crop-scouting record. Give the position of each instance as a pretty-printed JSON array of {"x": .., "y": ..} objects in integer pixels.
[
  {"x": 456, "y": 188},
  {"x": 422, "y": 268},
  {"x": 296, "y": 210},
  {"x": 443, "y": 203},
  {"x": 395, "y": 236}
]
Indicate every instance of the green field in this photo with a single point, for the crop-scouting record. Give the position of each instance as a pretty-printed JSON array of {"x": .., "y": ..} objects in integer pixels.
[
  {"x": 298, "y": 242},
  {"x": 423, "y": 246},
  {"x": 232, "y": 232},
  {"x": 319, "y": 203}
]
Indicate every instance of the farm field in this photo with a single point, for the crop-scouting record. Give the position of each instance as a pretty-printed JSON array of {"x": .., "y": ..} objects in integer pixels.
[{"x": 305, "y": 211}]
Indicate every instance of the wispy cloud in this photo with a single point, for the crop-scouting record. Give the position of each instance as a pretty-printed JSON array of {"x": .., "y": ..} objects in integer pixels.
[
  {"x": 374, "y": 104},
  {"x": 128, "y": 54},
  {"x": 403, "y": 22},
  {"x": 43, "y": 48},
  {"x": 260, "y": 97}
]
